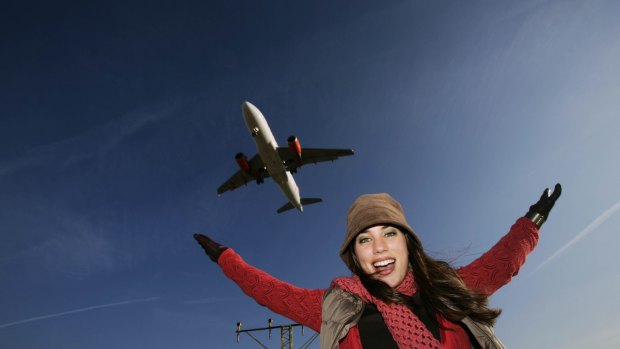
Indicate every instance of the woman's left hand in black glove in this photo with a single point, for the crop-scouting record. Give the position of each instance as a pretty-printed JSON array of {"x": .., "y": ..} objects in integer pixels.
[{"x": 539, "y": 212}]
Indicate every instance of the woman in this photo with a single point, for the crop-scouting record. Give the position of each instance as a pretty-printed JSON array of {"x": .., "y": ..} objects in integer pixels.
[{"x": 398, "y": 297}]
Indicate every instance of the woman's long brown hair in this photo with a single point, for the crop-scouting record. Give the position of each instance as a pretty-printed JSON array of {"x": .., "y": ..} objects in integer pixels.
[{"x": 440, "y": 287}]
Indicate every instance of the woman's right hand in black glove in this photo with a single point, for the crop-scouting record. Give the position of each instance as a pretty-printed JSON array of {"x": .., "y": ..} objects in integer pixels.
[{"x": 212, "y": 248}]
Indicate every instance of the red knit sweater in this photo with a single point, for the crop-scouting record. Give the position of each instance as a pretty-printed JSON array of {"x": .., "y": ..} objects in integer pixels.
[{"x": 487, "y": 274}]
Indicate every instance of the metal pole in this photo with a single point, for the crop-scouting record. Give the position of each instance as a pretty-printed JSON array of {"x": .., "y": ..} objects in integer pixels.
[{"x": 286, "y": 334}]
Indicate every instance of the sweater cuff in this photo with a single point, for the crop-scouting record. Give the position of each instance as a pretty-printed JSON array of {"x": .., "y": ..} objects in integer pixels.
[
  {"x": 226, "y": 257},
  {"x": 526, "y": 226}
]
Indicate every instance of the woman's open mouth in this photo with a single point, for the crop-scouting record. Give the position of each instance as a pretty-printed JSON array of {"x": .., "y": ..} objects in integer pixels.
[{"x": 384, "y": 267}]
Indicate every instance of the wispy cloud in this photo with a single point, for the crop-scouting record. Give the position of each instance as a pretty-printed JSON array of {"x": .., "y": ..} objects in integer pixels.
[
  {"x": 81, "y": 310},
  {"x": 81, "y": 251},
  {"x": 585, "y": 232},
  {"x": 91, "y": 143},
  {"x": 77, "y": 246},
  {"x": 64, "y": 241}
]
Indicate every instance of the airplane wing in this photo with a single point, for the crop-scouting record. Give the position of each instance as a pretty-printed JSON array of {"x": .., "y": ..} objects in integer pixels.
[
  {"x": 310, "y": 156},
  {"x": 257, "y": 173}
]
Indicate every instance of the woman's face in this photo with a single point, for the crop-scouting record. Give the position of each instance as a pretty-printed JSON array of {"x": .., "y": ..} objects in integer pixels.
[{"x": 382, "y": 253}]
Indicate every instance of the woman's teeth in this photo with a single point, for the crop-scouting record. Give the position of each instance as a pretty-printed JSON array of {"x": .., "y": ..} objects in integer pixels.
[{"x": 384, "y": 263}]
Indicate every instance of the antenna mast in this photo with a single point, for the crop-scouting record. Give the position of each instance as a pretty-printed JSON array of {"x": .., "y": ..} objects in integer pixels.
[{"x": 286, "y": 334}]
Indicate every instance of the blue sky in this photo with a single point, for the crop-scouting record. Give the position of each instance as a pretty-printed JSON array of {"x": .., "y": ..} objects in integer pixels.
[{"x": 118, "y": 122}]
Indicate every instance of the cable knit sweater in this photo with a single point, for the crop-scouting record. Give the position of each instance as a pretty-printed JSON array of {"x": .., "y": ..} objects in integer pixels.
[{"x": 487, "y": 274}]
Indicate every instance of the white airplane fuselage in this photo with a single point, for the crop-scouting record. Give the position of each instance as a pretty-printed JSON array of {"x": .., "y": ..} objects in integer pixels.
[{"x": 266, "y": 145}]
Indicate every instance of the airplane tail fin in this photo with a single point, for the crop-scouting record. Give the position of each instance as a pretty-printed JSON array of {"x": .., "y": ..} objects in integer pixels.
[
  {"x": 304, "y": 201},
  {"x": 286, "y": 207},
  {"x": 310, "y": 201}
]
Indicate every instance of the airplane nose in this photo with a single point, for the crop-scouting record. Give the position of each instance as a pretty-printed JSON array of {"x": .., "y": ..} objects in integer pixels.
[{"x": 247, "y": 108}]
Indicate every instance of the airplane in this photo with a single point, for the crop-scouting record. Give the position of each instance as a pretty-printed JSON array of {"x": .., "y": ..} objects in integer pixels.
[{"x": 276, "y": 162}]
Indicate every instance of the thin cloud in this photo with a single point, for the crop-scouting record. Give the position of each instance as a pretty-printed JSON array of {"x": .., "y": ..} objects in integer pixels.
[
  {"x": 91, "y": 143},
  {"x": 587, "y": 231},
  {"x": 81, "y": 310},
  {"x": 71, "y": 244}
]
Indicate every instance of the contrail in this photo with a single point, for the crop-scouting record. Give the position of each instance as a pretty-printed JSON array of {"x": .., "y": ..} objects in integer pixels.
[
  {"x": 42, "y": 317},
  {"x": 587, "y": 231}
]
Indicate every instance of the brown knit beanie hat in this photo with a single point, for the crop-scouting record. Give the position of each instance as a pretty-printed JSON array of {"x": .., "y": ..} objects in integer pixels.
[{"x": 370, "y": 210}]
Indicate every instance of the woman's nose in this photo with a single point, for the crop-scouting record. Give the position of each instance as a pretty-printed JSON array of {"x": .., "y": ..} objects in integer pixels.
[{"x": 379, "y": 245}]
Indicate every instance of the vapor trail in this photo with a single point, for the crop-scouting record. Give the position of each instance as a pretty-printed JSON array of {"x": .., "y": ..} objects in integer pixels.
[
  {"x": 42, "y": 317},
  {"x": 587, "y": 231}
]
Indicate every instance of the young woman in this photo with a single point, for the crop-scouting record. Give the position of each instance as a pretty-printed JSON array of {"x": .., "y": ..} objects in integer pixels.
[{"x": 398, "y": 296}]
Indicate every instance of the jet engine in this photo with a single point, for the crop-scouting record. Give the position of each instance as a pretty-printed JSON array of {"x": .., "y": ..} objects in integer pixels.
[
  {"x": 243, "y": 162},
  {"x": 295, "y": 147}
]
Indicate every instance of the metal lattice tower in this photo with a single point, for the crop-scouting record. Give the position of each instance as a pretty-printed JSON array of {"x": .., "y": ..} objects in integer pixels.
[{"x": 286, "y": 335}]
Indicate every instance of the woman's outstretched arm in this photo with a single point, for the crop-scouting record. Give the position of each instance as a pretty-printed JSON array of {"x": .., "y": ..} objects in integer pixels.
[
  {"x": 298, "y": 304},
  {"x": 496, "y": 267}
]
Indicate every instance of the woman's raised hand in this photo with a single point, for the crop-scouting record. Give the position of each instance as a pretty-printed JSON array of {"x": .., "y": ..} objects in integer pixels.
[
  {"x": 539, "y": 212},
  {"x": 212, "y": 248}
]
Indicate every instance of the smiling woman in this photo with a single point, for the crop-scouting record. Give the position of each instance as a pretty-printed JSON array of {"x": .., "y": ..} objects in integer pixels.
[
  {"x": 398, "y": 297},
  {"x": 381, "y": 252}
]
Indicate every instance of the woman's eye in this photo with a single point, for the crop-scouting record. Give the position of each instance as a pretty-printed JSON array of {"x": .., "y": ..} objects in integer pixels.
[
  {"x": 363, "y": 240},
  {"x": 390, "y": 233}
]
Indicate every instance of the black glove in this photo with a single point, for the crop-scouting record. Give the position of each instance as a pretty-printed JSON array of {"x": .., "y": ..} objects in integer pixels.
[
  {"x": 212, "y": 248},
  {"x": 539, "y": 212}
]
